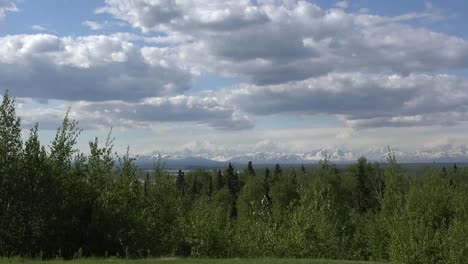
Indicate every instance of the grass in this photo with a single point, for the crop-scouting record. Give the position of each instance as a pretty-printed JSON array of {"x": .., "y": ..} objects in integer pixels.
[{"x": 186, "y": 261}]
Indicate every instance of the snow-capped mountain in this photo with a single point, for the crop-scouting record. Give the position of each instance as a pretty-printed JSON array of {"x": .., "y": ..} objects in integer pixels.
[{"x": 218, "y": 157}]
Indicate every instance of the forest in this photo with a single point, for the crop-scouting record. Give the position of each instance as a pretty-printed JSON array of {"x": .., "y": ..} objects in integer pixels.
[{"x": 57, "y": 202}]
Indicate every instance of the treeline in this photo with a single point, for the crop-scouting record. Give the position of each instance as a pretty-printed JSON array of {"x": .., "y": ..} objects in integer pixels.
[{"x": 58, "y": 202}]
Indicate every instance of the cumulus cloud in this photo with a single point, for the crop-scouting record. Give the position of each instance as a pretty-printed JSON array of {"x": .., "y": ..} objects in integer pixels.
[
  {"x": 144, "y": 114},
  {"x": 92, "y": 68},
  {"x": 274, "y": 42},
  {"x": 368, "y": 70},
  {"x": 160, "y": 15},
  {"x": 363, "y": 100},
  {"x": 7, "y": 5},
  {"x": 359, "y": 100}
]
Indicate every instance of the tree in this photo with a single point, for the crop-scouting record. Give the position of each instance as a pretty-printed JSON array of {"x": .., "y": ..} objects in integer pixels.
[
  {"x": 278, "y": 171},
  {"x": 210, "y": 185},
  {"x": 11, "y": 147},
  {"x": 266, "y": 186},
  {"x": 362, "y": 192},
  {"x": 34, "y": 201},
  {"x": 250, "y": 169},
  {"x": 219, "y": 181},
  {"x": 180, "y": 182},
  {"x": 233, "y": 187}
]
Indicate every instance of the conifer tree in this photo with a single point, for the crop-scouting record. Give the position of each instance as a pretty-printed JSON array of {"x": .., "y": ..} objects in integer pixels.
[
  {"x": 219, "y": 181},
  {"x": 266, "y": 185},
  {"x": 180, "y": 182},
  {"x": 277, "y": 172},
  {"x": 194, "y": 187},
  {"x": 233, "y": 181},
  {"x": 444, "y": 172},
  {"x": 210, "y": 185},
  {"x": 250, "y": 169},
  {"x": 234, "y": 188}
]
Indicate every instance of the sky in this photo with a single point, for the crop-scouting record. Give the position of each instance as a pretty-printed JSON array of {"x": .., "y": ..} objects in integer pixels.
[{"x": 240, "y": 75}]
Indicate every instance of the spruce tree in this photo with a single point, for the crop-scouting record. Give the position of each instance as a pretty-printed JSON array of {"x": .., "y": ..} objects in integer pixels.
[
  {"x": 277, "y": 172},
  {"x": 232, "y": 180},
  {"x": 180, "y": 182},
  {"x": 219, "y": 181},
  {"x": 210, "y": 185},
  {"x": 234, "y": 188},
  {"x": 250, "y": 169},
  {"x": 266, "y": 185}
]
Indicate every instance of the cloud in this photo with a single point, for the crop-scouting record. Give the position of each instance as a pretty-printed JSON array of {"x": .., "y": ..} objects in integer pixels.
[
  {"x": 362, "y": 100},
  {"x": 7, "y": 5},
  {"x": 92, "y": 68},
  {"x": 273, "y": 42},
  {"x": 295, "y": 57},
  {"x": 96, "y": 26},
  {"x": 143, "y": 114},
  {"x": 342, "y": 4},
  {"x": 160, "y": 15},
  {"x": 93, "y": 25},
  {"x": 38, "y": 28}
]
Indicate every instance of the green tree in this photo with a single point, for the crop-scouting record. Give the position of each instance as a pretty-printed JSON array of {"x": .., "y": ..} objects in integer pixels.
[
  {"x": 233, "y": 187},
  {"x": 362, "y": 196},
  {"x": 250, "y": 169},
  {"x": 180, "y": 181},
  {"x": 219, "y": 181}
]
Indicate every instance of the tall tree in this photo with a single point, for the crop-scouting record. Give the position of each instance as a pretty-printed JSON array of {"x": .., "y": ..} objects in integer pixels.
[
  {"x": 266, "y": 185},
  {"x": 362, "y": 192},
  {"x": 250, "y": 169},
  {"x": 219, "y": 181},
  {"x": 180, "y": 182},
  {"x": 210, "y": 185},
  {"x": 234, "y": 188},
  {"x": 277, "y": 173},
  {"x": 11, "y": 147}
]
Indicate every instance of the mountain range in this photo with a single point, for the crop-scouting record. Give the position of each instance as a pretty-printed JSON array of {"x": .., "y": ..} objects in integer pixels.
[{"x": 206, "y": 158}]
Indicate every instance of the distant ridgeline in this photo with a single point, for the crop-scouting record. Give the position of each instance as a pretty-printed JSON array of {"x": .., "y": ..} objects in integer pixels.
[{"x": 57, "y": 202}]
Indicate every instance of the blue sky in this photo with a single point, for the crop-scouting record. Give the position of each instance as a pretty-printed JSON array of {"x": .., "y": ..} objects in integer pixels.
[{"x": 264, "y": 75}]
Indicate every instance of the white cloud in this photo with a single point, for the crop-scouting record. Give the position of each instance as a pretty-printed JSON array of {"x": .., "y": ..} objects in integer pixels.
[
  {"x": 7, "y": 5},
  {"x": 342, "y": 4},
  {"x": 143, "y": 114},
  {"x": 38, "y": 28},
  {"x": 89, "y": 68},
  {"x": 274, "y": 42},
  {"x": 93, "y": 25},
  {"x": 368, "y": 70},
  {"x": 362, "y": 100}
]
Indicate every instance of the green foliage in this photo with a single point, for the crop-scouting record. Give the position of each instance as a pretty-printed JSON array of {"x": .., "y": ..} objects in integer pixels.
[{"x": 56, "y": 202}]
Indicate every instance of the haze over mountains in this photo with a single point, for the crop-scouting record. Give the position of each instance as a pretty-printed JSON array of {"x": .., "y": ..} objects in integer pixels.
[{"x": 205, "y": 157}]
